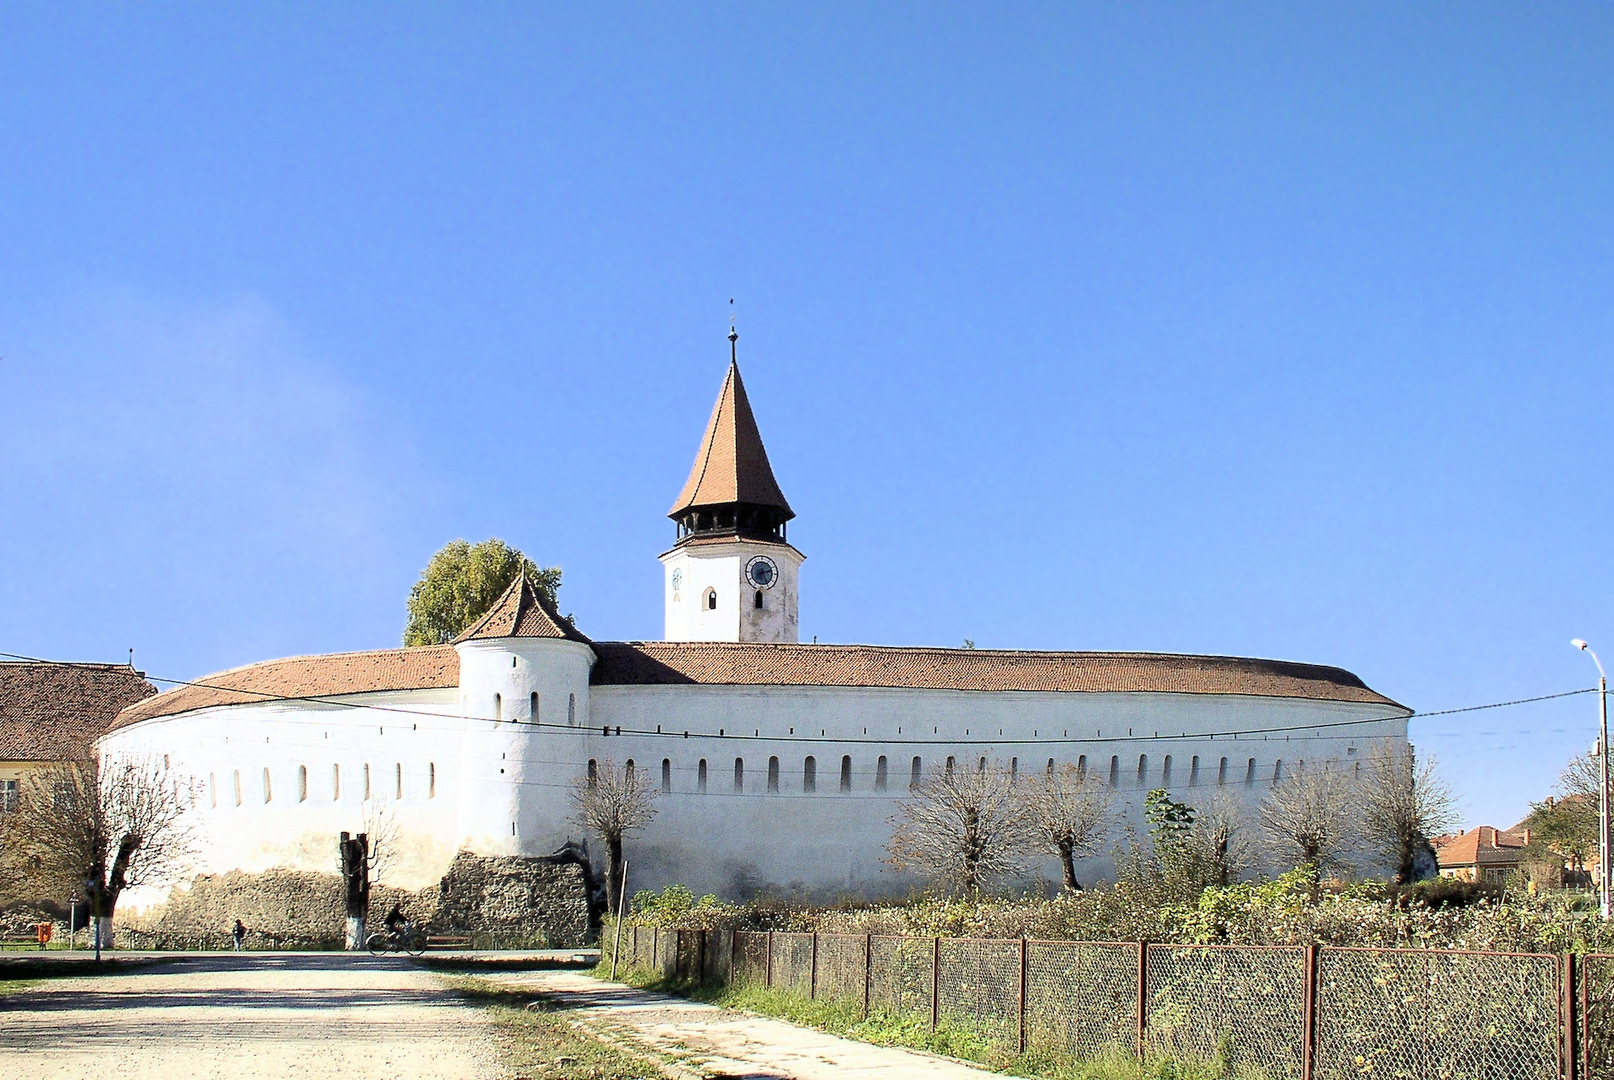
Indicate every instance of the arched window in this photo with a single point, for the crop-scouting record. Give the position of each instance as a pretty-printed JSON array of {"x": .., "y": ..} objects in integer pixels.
[
  {"x": 1249, "y": 774},
  {"x": 238, "y": 787},
  {"x": 759, "y": 600},
  {"x": 267, "y": 794},
  {"x": 700, "y": 777},
  {"x": 212, "y": 793},
  {"x": 1165, "y": 772},
  {"x": 739, "y": 774},
  {"x": 498, "y": 708},
  {"x": 913, "y": 777},
  {"x": 367, "y": 780},
  {"x": 1277, "y": 771},
  {"x": 628, "y": 771},
  {"x": 1014, "y": 769},
  {"x": 593, "y": 772},
  {"x": 532, "y": 707},
  {"x": 571, "y": 709},
  {"x": 773, "y": 775},
  {"x": 302, "y": 783},
  {"x": 881, "y": 774},
  {"x": 1115, "y": 770},
  {"x": 1081, "y": 769},
  {"x": 431, "y": 779},
  {"x": 666, "y": 774},
  {"x": 950, "y": 763},
  {"x": 809, "y": 774},
  {"x": 846, "y": 772},
  {"x": 1050, "y": 767},
  {"x": 1221, "y": 774},
  {"x": 1143, "y": 769},
  {"x": 336, "y": 783},
  {"x": 711, "y": 599},
  {"x": 1193, "y": 772},
  {"x": 397, "y": 780},
  {"x": 981, "y": 768}
]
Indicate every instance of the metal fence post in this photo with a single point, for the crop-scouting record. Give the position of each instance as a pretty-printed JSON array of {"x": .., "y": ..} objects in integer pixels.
[
  {"x": 935, "y": 982},
  {"x": 767, "y": 979},
  {"x": 734, "y": 939},
  {"x": 1568, "y": 1021},
  {"x": 1308, "y": 1015},
  {"x": 1143, "y": 997},
  {"x": 868, "y": 970},
  {"x": 812, "y": 972},
  {"x": 1022, "y": 995}
]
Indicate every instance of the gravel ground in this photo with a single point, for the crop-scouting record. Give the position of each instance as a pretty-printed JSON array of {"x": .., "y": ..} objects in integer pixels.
[{"x": 310, "y": 1016}]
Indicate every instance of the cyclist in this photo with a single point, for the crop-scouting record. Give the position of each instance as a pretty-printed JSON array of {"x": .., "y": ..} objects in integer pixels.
[{"x": 396, "y": 923}]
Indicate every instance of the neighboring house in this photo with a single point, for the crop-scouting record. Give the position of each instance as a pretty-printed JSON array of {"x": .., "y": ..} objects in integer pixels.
[
  {"x": 54, "y": 712},
  {"x": 1482, "y": 854}
]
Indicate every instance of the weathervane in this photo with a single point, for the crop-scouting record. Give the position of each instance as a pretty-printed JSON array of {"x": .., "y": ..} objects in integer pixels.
[{"x": 734, "y": 335}]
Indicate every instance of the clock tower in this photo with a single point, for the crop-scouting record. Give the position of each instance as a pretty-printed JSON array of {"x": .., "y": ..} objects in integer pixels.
[{"x": 731, "y": 575}]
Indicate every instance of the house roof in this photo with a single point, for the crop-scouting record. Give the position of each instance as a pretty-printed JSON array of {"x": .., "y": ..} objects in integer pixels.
[
  {"x": 522, "y": 611},
  {"x": 49, "y": 711},
  {"x": 640, "y": 663},
  {"x": 731, "y": 465},
  {"x": 1483, "y": 846}
]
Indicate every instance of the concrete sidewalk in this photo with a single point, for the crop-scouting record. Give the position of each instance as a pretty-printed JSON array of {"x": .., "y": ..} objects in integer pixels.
[{"x": 705, "y": 1040}]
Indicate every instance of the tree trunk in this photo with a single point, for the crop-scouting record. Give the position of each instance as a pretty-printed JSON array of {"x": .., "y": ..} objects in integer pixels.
[
  {"x": 1067, "y": 863},
  {"x": 355, "y": 854},
  {"x": 613, "y": 872},
  {"x": 355, "y": 934},
  {"x": 103, "y": 927}
]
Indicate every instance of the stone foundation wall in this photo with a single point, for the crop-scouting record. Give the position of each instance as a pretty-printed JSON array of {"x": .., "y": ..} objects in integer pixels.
[{"x": 517, "y": 900}]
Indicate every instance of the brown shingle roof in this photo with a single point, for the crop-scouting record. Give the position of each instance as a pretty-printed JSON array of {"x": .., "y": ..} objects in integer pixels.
[
  {"x": 523, "y": 611},
  {"x": 48, "y": 712},
  {"x": 747, "y": 664},
  {"x": 1484, "y": 846},
  {"x": 331, "y": 675},
  {"x": 731, "y": 466}
]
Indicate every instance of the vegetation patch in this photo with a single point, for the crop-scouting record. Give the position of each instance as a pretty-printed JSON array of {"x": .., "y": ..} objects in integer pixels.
[{"x": 534, "y": 1038}]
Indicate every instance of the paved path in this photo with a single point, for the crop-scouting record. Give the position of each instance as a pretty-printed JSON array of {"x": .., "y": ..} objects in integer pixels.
[
  {"x": 310, "y": 1016},
  {"x": 704, "y": 1040}
]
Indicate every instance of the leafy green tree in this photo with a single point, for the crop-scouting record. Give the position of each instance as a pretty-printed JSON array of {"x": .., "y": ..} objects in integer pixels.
[
  {"x": 461, "y": 582},
  {"x": 1568, "y": 824}
]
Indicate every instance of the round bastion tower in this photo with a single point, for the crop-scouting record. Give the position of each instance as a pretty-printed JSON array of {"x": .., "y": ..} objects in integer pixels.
[
  {"x": 524, "y": 673},
  {"x": 732, "y": 575}
]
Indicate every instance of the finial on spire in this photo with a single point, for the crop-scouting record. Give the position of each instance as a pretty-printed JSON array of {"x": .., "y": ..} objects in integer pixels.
[{"x": 734, "y": 335}]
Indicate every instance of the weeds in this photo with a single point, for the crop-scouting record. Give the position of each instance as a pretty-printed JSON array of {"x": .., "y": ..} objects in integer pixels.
[{"x": 534, "y": 1039}]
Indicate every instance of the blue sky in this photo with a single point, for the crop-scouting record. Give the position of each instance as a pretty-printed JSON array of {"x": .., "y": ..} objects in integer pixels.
[{"x": 1261, "y": 329}]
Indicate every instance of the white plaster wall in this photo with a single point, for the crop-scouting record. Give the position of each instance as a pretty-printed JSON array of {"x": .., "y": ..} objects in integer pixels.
[{"x": 721, "y": 568}]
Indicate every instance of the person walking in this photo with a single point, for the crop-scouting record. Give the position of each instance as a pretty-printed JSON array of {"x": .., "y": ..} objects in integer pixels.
[{"x": 239, "y": 934}]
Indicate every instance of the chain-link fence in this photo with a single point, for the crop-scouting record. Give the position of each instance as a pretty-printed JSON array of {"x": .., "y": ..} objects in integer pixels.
[{"x": 1282, "y": 1012}]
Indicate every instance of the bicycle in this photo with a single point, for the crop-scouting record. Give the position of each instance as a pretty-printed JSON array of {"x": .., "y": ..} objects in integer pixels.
[{"x": 407, "y": 939}]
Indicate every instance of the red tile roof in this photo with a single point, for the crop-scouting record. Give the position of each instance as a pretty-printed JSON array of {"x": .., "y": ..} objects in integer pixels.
[
  {"x": 731, "y": 465},
  {"x": 523, "y": 611},
  {"x": 1484, "y": 846},
  {"x": 50, "y": 712}
]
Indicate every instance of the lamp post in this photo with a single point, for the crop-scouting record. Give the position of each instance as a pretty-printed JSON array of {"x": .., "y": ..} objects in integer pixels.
[{"x": 1603, "y": 879}]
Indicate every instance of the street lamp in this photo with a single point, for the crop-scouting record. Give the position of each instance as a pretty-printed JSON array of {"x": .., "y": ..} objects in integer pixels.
[{"x": 1603, "y": 879}]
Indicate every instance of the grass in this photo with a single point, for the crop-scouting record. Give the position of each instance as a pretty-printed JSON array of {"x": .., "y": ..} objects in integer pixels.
[
  {"x": 533, "y": 1037},
  {"x": 911, "y": 1032}
]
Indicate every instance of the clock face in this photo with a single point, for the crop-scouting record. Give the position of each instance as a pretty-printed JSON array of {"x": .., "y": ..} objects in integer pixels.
[
  {"x": 761, "y": 572},
  {"x": 678, "y": 579}
]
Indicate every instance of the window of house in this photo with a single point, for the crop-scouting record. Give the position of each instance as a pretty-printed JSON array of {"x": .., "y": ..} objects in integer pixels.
[
  {"x": 882, "y": 773},
  {"x": 739, "y": 774},
  {"x": 9, "y": 795},
  {"x": 666, "y": 774},
  {"x": 773, "y": 774},
  {"x": 913, "y": 778},
  {"x": 532, "y": 706},
  {"x": 1165, "y": 772},
  {"x": 302, "y": 783},
  {"x": 700, "y": 777},
  {"x": 846, "y": 772},
  {"x": 267, "y": 792}
]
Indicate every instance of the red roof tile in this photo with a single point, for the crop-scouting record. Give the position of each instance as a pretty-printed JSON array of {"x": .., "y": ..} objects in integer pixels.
[
  {"x": 50, "y": 712},
  {"x": 523, "y": 611},
  {"x": 731, "y": 465}
]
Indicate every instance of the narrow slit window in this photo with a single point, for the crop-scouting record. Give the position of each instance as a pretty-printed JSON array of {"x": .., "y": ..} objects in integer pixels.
[
  {"x": 1014, "y": 769},
  {"x": 1050, "y": 767},
  {"x": 1165, "y": 772},
  {"x": 571, "y": 710},
  {"x": 1193, "y": 772},
  {"x": 498, "y": 708},
  {"x": 593, "y": 772},
  {"x": 1221, "y": 774},
  {"x": 913, "y": 778},
  {"x": 951, "y": 762},
  {"x": 302, "y": 783},
  {"x": 628, "y": 771},
  {"x": 666, "y": 774},
  {"x": 336, "y": 783},
  {"x": 1249, "y": 774},
  {"x": 773, "y": 775},
  {"x": 532, "y": 707},
  {"x": 981, "y": 768},
  {"x": 268, "y": 793},
  {"x": 759, "y": 600},
  {"x": 1081, "y": 768},
  {"x": 367, "y": 781},
  {"x": 212, "y": 792},
  {"x": 711, "y": 599},
  {"x": 1115, "y": 770},
  {"x": 397, "y": 777},
  {"x": 700, "y": 777},
  {"x": 1277, "y": 771},
  {"x": 882, "y": 773},
  {"x": 739, "y": 774},
  {"x": 431, "y": 779},
  {"x": 238, "y": 787},
  {"x": 846, "y": 772},
  {"x": 809, "y": 775},
  {"x": 1143, "y": 769}
]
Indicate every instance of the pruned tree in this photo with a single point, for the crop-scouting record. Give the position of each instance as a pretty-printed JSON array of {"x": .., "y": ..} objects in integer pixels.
[
  {"x": 1403, "y": 803},
  {"x": 106, "y": 825},
  {"x": 1310, "y": 818},
  {"x": 962, "y": 829},
  {"x": 461, "y": 582},
  {"x": 381, "y": 831},
  {"x": 613, "y": 803},
  {"x": 1068, "y": 813},
  {"x": 1219, "y": 840}
]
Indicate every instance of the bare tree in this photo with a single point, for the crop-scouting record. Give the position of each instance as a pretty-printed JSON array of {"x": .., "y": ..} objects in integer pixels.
[
  {"x": 1310, "y": 817},
  {"x": 106, "y": 825},
  {"x": 1069, "y": 813},
  {"x": 1219, "y": 841},
  {"x": 962, "y": 828},
  {"x": 1404, "y": 803},
  {"x": 613, "y": 803},
  {"x": 380, "y": 829}
]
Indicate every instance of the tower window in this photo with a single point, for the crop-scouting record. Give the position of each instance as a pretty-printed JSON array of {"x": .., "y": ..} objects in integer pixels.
[
  {"x": 913, "y": 778},
  {"x": 628, "y": 770},
  {"x": 739, "y": 774},
  {"x": 809, "y": 774},
  {"x": 532, "y": 706},
  {"x": 759, "y": 600},
  {"x": 981, "y": 768},
  {"x": 881, "y": 773},
  {"x": 846, "y": 772},
  {"x": 700, "y": 777},
  {"x": 666, "y": 774},
  {"x": 711, "y": 599},
  {"x": 498, "y": 708},
  {"x": 773, "y": 775}
]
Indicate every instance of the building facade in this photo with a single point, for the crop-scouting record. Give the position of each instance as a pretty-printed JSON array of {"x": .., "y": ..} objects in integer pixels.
[{"x": 780, "y": 764}]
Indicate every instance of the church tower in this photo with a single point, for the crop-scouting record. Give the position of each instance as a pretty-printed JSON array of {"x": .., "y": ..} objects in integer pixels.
[{"x": 731, "y": 576}]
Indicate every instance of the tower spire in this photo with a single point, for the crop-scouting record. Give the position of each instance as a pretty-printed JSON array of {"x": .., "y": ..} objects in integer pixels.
[{"x": 734, "y": 335}]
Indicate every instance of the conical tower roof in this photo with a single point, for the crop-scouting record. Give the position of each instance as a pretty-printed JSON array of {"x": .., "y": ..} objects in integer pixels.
[
  {"x": 523, "y": 611},
  {"x": 732, "y": 465}
]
